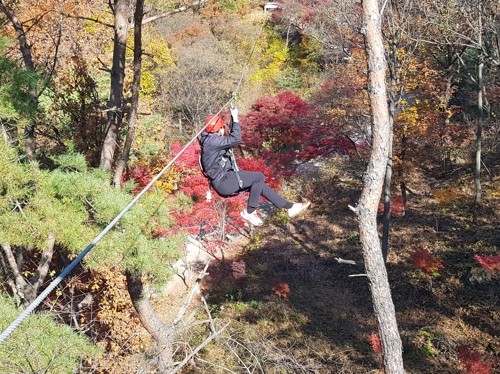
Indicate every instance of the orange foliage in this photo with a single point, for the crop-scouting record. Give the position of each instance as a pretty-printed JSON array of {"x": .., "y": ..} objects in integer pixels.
[
  {"x": 282, "y": 290},
  {"x": 424, "y": 260},
  {"x": 376, "y": 345},
  {"x": 194, "y": 30},
  {"x": 347, "y": 90},
  {"x": 42, "y": 20},
  {"x": 113, "y": 321},
  {"x": 447, "y": 195}
]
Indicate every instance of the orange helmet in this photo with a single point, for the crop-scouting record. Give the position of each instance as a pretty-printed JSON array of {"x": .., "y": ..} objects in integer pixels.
[{"x": 214, "y": 124}]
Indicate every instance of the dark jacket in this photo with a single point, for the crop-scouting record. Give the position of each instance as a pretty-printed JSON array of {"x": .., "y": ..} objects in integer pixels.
[{"x": 215, "y": 159}]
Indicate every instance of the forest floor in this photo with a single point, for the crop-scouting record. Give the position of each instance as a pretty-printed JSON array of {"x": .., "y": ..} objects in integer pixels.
[{"x": 285, "y": 288}]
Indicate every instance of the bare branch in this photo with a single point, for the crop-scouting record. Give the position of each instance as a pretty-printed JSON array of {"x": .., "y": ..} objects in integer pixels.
[
  {"x": 189, "y": 298},
  {"x": 19, "y": 279},
  {"x": 171, "y": 12},
  {"x": 96, "y": 20},
  {"x": 353, "y": 208},
  {"x": 342, "y": 261},
  {"x": 199, "y": 348}
]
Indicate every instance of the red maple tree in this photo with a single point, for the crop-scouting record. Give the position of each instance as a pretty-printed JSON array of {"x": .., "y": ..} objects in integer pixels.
[{"x": 286, "y": 131}]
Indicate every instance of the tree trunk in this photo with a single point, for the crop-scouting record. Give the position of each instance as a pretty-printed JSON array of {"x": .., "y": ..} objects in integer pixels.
[
  {"x": 479, "y": 132},
  {"x": 370, "y": 196},
  {"x": 161, "y": 332},
  {"x": 115, "y": 110},
  {"x": 27, "y": 290},
  {"x": 122, "y": 162},
  {"x": 386, "y": 222},
  {"x": 43, "y": 265},
  {"x": 29, "y": 131},
  {"x": 20, "y": 284}
]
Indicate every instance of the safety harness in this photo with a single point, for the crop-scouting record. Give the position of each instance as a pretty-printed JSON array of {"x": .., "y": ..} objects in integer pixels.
[{"x": 222, "y": 163}]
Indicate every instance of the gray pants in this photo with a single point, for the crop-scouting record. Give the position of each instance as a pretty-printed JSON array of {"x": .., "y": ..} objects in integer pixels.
[{"x": 254, "y": 182}]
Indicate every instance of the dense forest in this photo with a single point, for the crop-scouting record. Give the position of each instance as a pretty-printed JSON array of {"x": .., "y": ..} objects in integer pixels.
[{"x": 114, "y": 260}]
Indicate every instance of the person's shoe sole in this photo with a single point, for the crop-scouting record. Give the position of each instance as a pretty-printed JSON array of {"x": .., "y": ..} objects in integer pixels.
[
  {"x": 305, "y": 206},
  {"x": 250, "y": 222}
]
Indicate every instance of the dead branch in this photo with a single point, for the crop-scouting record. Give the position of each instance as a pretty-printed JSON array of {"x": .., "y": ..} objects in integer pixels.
[
  {"x": 197, "y": 349},
  {"x": 171, "y": 12},
  {"x": 342, "y": 261},
  {"x": 189, "y": 298}
]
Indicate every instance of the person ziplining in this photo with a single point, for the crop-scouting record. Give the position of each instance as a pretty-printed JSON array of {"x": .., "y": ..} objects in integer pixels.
[
  {"x": 219, "y": 165},
  {"x": 225, "y": 177}
]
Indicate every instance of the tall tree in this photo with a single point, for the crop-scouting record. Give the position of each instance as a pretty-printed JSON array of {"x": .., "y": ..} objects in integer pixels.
[
  {"x": 472, "y": 27},
  {"x": 159, "y": 330},
  {"x": 136, "y": 82},
  {"x": 121, "y": 11},
  {"x": 372, "y": 190},
  {"x": 480, "y": 100}
]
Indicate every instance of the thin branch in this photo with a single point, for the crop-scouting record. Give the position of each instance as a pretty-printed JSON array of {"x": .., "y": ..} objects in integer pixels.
[
  {"x": 57, "y": 44},
  {"x": 355, "y": 209},
  {"x": 197, "y": 349},
  {"x": 486, "y": 168},
  {"x": 87, "y": 19},
  {"x": 217, "y": 366},
  {"x": 383, "y": 8},
  {"x": 210, "y": 319},
  {"x": 44, "y": 264},
  {"x": 20, "y": 281},
  {"x": 171, "y": 12},
  {"x": 189, "y": 298},
  {"x": 342, "y": 261}
]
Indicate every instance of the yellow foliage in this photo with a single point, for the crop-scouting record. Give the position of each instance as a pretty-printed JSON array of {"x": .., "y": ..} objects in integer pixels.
[
  {"x": 156, "y": 57},
  {"x": 93, "y": 27},
  {"x": 447, "y": 195},
  {"x": 159, "y": 60},
  {"x": 158, "y": 49},
  {"x": 408, "y": 118},
  {"x": 273, "y": 58},
  {"x": 168, "y": 181}
]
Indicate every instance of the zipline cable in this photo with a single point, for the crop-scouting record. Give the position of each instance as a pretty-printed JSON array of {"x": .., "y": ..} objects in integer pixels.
[{"x": 5, "y": 334}]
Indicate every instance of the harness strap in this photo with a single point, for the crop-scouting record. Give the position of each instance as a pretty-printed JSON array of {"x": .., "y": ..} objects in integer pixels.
[{"x": 235, "y": 167}]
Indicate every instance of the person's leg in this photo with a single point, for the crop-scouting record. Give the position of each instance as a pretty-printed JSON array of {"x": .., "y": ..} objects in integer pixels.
[
  {"x": 253, "y": 181},
  {"x": 256, "y": 182},
  {"x": 228, "y": 185},
  {"x": 275, "y": 198}
]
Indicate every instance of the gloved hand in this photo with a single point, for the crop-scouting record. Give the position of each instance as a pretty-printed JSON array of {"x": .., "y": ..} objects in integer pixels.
[{"x": 234, "y": 114}]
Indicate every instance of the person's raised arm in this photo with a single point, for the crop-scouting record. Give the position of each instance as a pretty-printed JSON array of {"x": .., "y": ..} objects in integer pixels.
[{"x": 234, "y": 137}]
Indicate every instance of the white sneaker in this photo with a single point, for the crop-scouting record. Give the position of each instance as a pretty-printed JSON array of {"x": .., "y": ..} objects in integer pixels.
[
  {"x": 298, "y": 208},
  {"x": 252, "y": 218}
]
